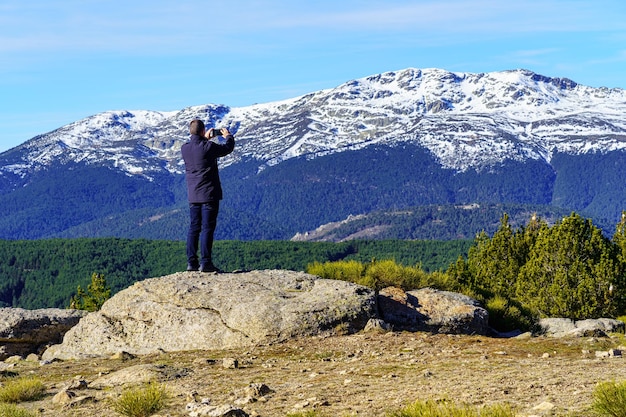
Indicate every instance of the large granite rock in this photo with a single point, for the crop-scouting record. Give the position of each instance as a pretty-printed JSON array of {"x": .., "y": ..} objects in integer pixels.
[
  {"x": 193, "y": 310},
  {"x": 27, "y": 331},
  {"x": 564, "y": 327},
  {"x": 432, "y": 310}
]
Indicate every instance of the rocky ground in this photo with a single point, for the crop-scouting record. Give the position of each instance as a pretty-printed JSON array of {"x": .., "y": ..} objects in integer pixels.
[{"x": 348, "y": 375}]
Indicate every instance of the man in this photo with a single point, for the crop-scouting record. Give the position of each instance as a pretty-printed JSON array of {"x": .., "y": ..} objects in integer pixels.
[{"x": 204, "y": 190}]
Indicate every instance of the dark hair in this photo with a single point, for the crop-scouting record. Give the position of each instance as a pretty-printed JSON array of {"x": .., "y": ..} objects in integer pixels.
[{"x": 196, "y": 127}]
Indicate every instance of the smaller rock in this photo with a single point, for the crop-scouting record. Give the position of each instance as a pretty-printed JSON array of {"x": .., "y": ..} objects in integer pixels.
[
  {"x": 77, "y": 383},
  {"x": 257, "y": 390},
  {"x": 63, "y": 397},
  {"x": 615, "y": 352},
  {"x": 208, "y": 410},
  {"x": 123, "y": 356},
  {"x": 377, "y": 325},
  {"x": 230, "y": 363},
  {"x": 611, "y": 353},
  {"x": 204, "y": 361},
  {"x": 192, "y": 397},
  {"x": 544, "y": 406},
  {"x": 32, "y": 358},
  {"x": 79, "y": 400}
]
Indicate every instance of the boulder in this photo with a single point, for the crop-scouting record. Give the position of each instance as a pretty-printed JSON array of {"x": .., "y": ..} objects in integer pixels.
[
  {"x": 432, "y": 310},
  {"x": 564, "y": 327},
  {"x": 23, "y": 332},
  {"x": 194, "y": 310}
]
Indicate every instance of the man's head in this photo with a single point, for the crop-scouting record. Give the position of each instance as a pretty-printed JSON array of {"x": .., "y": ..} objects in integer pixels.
[{"x": 196, "y": 127}]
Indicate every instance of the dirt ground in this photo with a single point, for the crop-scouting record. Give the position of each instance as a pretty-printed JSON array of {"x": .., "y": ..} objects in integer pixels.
[{"x": 361, "y": 375}]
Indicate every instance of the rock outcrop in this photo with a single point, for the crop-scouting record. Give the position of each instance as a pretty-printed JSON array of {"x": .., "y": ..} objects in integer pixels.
[
  {"x": 193, "y": 310},
  {"x": 564, "y": 327},
  {"x": 432, "y": 310},
  {"x": 23, "y": 332}
]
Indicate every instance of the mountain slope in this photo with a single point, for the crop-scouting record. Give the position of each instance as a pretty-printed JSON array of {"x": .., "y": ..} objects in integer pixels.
[{"x": 399, "y": 139}]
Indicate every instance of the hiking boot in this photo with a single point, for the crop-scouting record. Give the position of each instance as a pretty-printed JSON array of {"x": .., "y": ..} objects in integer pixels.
[
  {"x": 209, "y": 268},
  {"x": 192, "y": 266}
]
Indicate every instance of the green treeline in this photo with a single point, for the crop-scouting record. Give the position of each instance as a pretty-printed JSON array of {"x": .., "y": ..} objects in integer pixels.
[
  {"x": 46, "y": 273},
  {"x": 569, "y": 269}
]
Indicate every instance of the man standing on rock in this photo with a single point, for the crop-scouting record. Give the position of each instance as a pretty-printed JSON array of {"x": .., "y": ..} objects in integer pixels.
[{"x": 204, "y": 190}]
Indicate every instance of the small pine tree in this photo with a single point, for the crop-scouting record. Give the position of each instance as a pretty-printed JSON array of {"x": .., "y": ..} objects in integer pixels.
[
  {"x": 571, "y": 271},
  {"x": 618, "y": 289},
  {"x": 97, "y": 293}
]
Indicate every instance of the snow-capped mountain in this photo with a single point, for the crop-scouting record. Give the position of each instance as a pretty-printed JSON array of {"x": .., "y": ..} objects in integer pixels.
[
  {"x": 444, "y": 137},
  {"x": 468, "y": 121}
]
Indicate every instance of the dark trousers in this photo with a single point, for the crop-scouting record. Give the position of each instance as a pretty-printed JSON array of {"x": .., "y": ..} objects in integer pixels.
[{"x": 201, "y": 228}]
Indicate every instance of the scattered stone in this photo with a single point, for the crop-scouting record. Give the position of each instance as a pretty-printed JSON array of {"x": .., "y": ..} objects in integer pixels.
[
  {"x": 302, "y": 404},
  {"x": 257, "y": 390},
  {"x": 14, "y": 359},
  {"x": 544, "y": 406},
  {"x": 79, "y": 401},
  {"x": 206, "y": 409},
  {"x": 230, "y": 363},
  {"x": 312, "y": 402},
  {"x": 204, "y": 361},
  {"x": 377, "y": 325},
  {"x": 122, "y": 356},
  {"x": 78, "y": 383},
  {"x": 63, "y": 397},
  {"x": 611, "y": 353},
  {"x": 32, "y": 357}
]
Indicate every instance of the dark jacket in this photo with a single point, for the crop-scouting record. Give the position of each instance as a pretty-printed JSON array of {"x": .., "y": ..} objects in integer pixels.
[{"x": 203, "y": 179}]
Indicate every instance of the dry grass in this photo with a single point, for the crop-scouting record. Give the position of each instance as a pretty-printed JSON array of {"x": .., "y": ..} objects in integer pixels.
[
  {"x": 21, "y": 389},
  {"x": 364, "y": 375},
  {"x": 141, "y": 401}
]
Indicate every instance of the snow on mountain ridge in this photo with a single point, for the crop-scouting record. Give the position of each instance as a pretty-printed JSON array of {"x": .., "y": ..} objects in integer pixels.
[{"x": 467, "y": 120}]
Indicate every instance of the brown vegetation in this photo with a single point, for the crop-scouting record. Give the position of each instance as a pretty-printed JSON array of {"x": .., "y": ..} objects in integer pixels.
[{"x": 362, "y": 374}]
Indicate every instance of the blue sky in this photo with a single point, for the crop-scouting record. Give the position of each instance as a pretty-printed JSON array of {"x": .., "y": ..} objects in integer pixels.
[{"x": 61, "y": 61}]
